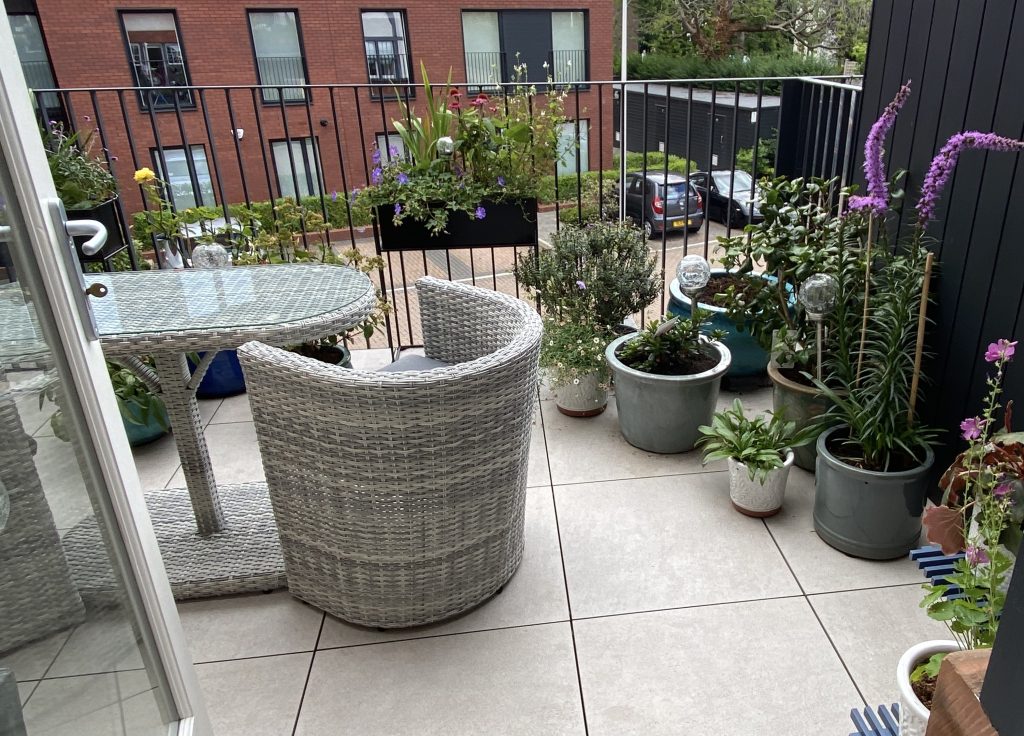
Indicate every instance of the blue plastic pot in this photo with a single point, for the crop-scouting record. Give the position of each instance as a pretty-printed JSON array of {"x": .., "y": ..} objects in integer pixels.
[
  {"x": 148, "y": 431},
  {"x": 748, "y": 357},
  {"x": 223, "y": 378}
]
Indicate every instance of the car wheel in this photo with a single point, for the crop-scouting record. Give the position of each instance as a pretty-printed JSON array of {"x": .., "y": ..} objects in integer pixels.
[{"x": 648, "y": 229}]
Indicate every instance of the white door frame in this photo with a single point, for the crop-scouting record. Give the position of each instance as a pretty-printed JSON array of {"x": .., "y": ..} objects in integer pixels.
[{"x": 23, "y": 149}]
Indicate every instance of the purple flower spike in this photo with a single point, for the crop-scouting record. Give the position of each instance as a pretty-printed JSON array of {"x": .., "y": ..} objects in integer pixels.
[
  {"x": 581, "y": 285},
  {"x": 398, "y": 209},
  {"x": 976, "y": 556},
  {"x": 1002, "y": 349},
  {"x": 375, "y": 175},
  {"x": 971, "y": 428},
  {"x": 1003, "y": 489},
  {"x": 877, "y": 205},
  {"x": 874, "y": 166},
  {"x": 944, "y": 163},
  {"x": 480, "y": 213},
  {"x": 403, "y": 178}
]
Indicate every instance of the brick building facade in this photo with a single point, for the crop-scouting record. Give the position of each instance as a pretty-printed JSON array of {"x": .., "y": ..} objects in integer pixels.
[{"x": 122, "y": 43}]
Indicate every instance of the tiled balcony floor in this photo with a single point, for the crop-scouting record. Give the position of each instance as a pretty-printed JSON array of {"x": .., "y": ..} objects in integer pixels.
[{"x": 644, "y": 605}]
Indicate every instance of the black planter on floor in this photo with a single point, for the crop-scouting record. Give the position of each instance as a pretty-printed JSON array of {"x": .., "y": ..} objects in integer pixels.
[{"x": 506, "y": 223}]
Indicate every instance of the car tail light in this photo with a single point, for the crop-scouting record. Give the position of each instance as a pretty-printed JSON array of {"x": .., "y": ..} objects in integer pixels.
[
  {"x": 700, "y": 202},
  {"x": 657, "y": 205}
]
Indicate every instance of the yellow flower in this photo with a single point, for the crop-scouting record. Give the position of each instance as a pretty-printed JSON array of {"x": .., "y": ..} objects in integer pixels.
[{"x": 144, "y": 175}]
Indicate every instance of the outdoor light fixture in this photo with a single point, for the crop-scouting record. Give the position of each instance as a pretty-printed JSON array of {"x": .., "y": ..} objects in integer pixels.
[
  {"x": 818, "y": 295},
  {"x": 445, "y": 146}
]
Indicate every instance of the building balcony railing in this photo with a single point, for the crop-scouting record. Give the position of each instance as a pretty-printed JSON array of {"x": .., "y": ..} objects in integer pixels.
[
  {"x": 568, "y": 66},
  {"x": 485, "y": 70},
  {"x": 285, "y": 76},
  {"x": 247, "y": 153}
]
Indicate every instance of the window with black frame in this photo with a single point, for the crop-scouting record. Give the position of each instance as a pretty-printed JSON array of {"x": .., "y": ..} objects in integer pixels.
[
  {"x": 186, "y": 186},
  {"x": 297, "y": 165},
  {"x": 280, "y": 61},
  {"x": 157, "y": 58},
  {"x": 387, "y": 47}
]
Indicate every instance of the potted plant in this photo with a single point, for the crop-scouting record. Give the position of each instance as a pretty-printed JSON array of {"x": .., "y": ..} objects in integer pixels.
[
  {"x": 472, "y": 170},
  {"x": 980, "y": 514},
  {"x": 85, "y": 185},
  {"x": 667, "y": 378},
  {"x": 142, "y": 410},
  {"x": 799, "y": 237},
  {"x": 161, "y": 224},
  {"x": 872, "y": 469},
  {"x": 572, "y": 355},
  {"x": 760, "y": 454}
]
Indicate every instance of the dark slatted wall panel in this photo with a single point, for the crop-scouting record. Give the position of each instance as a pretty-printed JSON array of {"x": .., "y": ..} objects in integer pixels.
[{"x": 964, "y": 58}]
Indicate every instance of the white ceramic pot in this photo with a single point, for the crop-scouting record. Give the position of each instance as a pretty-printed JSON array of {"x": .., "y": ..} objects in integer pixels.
[
  {"x": 587, "y": 397},
  {"x": 754, "y": 497},
  {"x": 913, "y": 715}
]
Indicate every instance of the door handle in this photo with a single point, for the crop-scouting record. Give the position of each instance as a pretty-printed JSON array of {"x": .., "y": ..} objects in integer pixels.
[{"x": 95, "y": 231}]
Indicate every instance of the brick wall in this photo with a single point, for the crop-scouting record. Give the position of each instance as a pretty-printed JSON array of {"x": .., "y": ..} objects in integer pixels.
[{"x": 88, "y": 51}]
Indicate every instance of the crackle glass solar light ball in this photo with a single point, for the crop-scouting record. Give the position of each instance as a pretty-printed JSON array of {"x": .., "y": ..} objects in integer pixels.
[
  {"x": 693, "y": 272},
  {"x": 210, "y": 255},
  {"x": 445, "y": 146},
  {"x": 818, "y": 293}
]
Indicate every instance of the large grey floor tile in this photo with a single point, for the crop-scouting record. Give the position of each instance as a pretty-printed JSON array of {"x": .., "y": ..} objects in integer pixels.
[
  {"x": 233, "y": 409},
  {"x": 255, "y": 697},
  {"x": 637, "y": 545},
  {"x": 744, "y": 669},
  {"x": 537, "y": 471},
  {"x": 234, "y": 454},
  {"x": 31, "y": 661},
  {"x": 593, "y": 449},
  {"x": 871, "y": 629},
  {"x": 76, "y": 706},
  {"x": 106, "y": 642},
  {"x": 157, "y": 462},
  {"x": 755, "y": 401},
  {"x": 249, "y": 626},
  {"x": 62, "y": 482},
  {"x": 535, "y": 594},
  {"x": 25, "y": 690},
  {"x": 140, "y": 706},
  {"x": 818, "y": 567},
  {"x": 506, "y": 682}
]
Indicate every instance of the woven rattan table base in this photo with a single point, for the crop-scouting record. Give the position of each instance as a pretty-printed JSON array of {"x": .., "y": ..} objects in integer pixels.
[{"x": 244, "y": 558}]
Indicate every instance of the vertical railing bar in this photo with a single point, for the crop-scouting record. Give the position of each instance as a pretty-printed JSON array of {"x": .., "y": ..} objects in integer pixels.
[
  {"x": 214, "y": 160},
  {"x": 161, "y": 156},
  {"x": 828, "y": 132},
  {"x": 394, "y": 298},
  {"x": 135, "y": 165},
  {"x": 847, "y": 153},
  {"x": 494, "y": 270},
  {"x": 664, "y": 180},
  {"x": 341, "y": 165},
  {"x": 186, "y": 149},
  {"x": 263, "y": 152},
  {"x": 321, "y": 178},
  {"x": 643, "y": 182},
  {"x": 732, "y": 156},
  {"x": 832, "y": 190},
  {"x": 238, "y": 150},
  {"x": 579, "y": 148},
  {"x": 291, "y": 163},
  {"x": 408, "y": 286},
  {"x": 118, "y": 204},
  {"x": 711, "y": 158},
  {"x": 600, "y": 154},
  {"x": 757, "y": 145},
  {"x": 689, "y": 135},
  {"x": 807, "y": 130}
]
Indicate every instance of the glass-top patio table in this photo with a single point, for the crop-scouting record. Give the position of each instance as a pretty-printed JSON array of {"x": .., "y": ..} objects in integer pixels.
[{"x": 232, "y": 545}]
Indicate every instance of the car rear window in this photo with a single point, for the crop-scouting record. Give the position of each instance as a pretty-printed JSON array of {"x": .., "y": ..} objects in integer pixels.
[{"x": 676, "y": 191}]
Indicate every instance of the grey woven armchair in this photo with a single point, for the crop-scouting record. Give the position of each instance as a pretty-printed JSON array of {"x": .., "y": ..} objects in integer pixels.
[{"x": 399, "y": 497}]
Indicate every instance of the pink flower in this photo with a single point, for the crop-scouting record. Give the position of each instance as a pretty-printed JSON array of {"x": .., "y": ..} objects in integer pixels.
[
  {"x": 976, "y": 556},
  {"x": 1002, "y": 349},
  {"x": 581, "y": 286},
  {"x": 1003, "y": 489},
  {"x": 972, "y": 427}
]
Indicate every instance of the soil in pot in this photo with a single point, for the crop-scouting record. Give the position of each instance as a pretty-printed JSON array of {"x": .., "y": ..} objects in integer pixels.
[
  {"x": 719, "y": 284},
  {"x": 838, "y": 445},
  {"x": 705, "y": 361},
  {"x": 924, "y": 688}
]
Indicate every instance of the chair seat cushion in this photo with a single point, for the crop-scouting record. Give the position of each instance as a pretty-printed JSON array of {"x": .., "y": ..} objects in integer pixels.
[{"x": 413, "y": 362}]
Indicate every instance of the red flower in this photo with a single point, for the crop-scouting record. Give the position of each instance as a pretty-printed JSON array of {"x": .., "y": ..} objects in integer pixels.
[
  {"x": 454, "y": 93},
  {"x": 454, "y": 105},
  {"x": 480, "y": 101}
]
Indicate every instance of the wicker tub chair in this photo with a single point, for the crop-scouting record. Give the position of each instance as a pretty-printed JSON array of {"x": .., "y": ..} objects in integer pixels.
[{"x": 399, "y": 497}]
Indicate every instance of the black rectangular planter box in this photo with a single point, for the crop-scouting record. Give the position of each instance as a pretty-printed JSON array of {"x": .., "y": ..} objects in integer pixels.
[
  {"x": 506, "y": 223},
  {"x": 106, "y": 214}
]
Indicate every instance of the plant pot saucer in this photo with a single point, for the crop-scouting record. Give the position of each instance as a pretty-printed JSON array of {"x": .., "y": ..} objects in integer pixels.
[
  {"x": 756, "y": 514},
  {"x": 578, "y": 413}
]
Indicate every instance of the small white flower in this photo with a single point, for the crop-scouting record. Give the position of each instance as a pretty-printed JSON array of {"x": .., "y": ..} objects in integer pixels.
[{"x": 576, "y": 381}]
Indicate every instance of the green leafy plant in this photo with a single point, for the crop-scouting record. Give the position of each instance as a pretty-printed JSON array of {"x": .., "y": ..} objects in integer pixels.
[
  {"x": 671, "y": 347},
  {"x": 603, "y": 272},
  {"x": 80, "y": 176},
  {"x": 464, "y": 151},
  {"x": 573, "y": 349},
  {"x": 800, "y": 236},
  {"x": 133, "y": 394},
  {"x": 161, "y": 220},
  {"x": 760, "y": 443}
]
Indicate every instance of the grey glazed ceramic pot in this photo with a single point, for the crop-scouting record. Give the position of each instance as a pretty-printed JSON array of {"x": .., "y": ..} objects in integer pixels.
[
  {"x": 800, "y": 404},
  {"x": 661, "y": 413},
  {"x": 866, "y": 513}
]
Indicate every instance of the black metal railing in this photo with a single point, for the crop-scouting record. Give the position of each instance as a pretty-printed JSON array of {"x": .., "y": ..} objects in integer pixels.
[
  {"x": 388, "y": 68},
  {"x": 248, "y": 155}
]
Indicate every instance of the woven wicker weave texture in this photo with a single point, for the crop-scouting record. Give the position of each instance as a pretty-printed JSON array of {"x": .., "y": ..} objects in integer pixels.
[{"x": 399, "y": 497}]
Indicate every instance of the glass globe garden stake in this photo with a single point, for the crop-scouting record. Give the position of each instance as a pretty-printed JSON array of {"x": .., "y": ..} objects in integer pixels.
[
  {"x": 818, "y": 295},
  {"x": 693, "y": 274}
]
